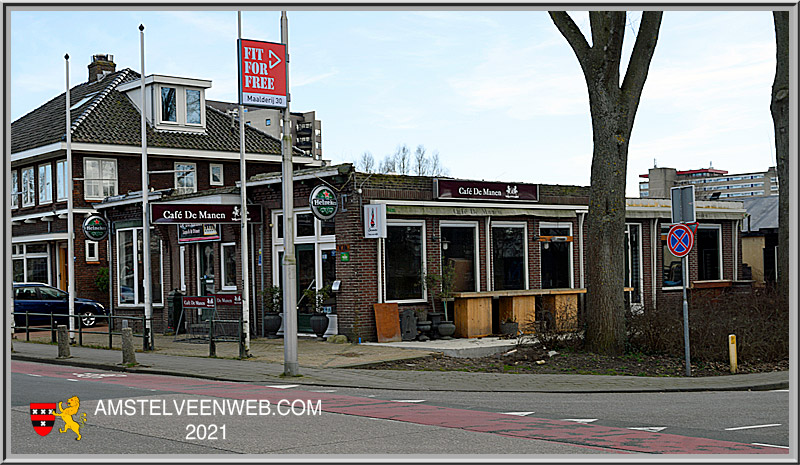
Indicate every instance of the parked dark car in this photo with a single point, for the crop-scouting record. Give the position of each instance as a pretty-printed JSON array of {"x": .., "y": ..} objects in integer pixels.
[{"x": 41, "y": 298}]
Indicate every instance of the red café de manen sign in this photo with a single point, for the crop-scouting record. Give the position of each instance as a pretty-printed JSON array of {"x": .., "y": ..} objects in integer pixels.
[
  {"x": 481, "y": 190},
  {"x": 202, "y": 213}
]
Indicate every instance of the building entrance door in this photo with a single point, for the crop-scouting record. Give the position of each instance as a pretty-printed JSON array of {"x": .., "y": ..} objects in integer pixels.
[
  {"x": 205, "y": 268},
  {"x": 63, "y": 269}
]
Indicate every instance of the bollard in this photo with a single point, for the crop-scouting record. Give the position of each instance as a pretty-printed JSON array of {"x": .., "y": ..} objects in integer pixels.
[
  {"x": 241, "y": 338},
  {"x": 212, "y": 347},
  {"x": 63, "y": 342},
  {"x": 52, "y": 329},
  {"x": 128, "y": 354},
  {"x": 732, "y": 352}
]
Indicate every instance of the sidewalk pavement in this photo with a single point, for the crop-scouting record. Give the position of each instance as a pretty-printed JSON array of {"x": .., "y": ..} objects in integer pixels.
[{"x": 325, "y": 364}]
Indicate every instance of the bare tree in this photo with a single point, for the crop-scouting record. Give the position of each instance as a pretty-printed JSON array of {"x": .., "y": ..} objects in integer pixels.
[
  {"x": 780, "y": 119},
  {"x": 613, "y": 108},
  {"x": 388, "y": 165},
  {"x": 402, "y": 159},
  {"x": 435, "y": 167},
  {"x": 366, "y": 163},
  {"x": 420, "y": 161}
]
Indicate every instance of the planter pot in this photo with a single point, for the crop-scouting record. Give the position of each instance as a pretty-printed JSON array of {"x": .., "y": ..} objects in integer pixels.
[
  {"x": 446, "y": 329},
  {"x": 319, "y": 324},
  {"x": 272, "y": 323},
  {"x": 423, "y": 327},
  {"x": 510, "y": 328}
]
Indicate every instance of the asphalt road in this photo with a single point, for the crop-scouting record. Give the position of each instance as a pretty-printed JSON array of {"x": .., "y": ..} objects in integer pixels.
[{"x": 355, "y": 421}]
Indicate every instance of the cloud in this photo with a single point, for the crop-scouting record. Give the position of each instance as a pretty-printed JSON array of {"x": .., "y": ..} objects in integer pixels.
[{"x": 303, "y": 80}]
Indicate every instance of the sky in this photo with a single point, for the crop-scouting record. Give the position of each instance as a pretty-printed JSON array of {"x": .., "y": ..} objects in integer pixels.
[{"x": 498, "y": 94}]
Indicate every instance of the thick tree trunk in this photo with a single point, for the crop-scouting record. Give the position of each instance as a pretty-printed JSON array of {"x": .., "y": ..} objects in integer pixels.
[{"x": 780, "y": 119}]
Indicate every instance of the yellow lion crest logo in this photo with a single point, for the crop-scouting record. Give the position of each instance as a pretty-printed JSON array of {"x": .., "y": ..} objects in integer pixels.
[{"x": 66, "y": 415}]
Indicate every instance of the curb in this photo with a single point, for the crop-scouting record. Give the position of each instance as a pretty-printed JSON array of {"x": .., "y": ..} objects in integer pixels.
[{"x": 300, "y": 380}]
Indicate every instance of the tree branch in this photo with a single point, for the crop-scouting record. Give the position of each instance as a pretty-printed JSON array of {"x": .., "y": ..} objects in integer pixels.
[
  {"x": 639, "y": 63},
  {"x": 608, "y": 32},
  {"x": 567, "y": 27}
]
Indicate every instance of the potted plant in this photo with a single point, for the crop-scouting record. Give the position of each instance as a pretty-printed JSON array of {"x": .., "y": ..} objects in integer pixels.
[
  {"x": 441, "y": 286},
  {"x": 319, "y": 320},
  {"x": 273, "y": 306}
]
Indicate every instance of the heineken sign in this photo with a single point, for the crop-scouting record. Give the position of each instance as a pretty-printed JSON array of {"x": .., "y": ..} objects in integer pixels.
[
  {"x": 95, "y": 228},
  {"x": 323, "y": 202}
]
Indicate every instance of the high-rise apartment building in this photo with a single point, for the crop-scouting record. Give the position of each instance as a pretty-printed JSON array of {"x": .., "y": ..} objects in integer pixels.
[{"x": 710, "y": 183}]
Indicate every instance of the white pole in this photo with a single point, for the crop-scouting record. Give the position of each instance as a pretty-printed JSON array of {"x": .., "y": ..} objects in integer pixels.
[
  {"x": 70, "y": 219},
  {"x": 290, "y": 367},
  {"x": 243, "y": 190},
  {"x": 148, "y": 299}
]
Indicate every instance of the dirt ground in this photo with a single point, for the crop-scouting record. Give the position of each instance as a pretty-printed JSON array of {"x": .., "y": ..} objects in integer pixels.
[{"x": 533, "y": 360}]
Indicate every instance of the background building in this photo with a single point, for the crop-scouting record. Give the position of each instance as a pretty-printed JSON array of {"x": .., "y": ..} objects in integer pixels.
[
  {"x": 710, "y": 183},
  {"x": 306, "y": 128}
]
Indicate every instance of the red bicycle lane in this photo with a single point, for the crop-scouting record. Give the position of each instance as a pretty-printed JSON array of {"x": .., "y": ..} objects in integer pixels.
[{"x": 620, "y": 440}]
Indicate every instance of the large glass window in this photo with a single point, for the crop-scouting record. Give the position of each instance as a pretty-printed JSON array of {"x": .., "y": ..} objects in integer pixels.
[
  {"x": 185, "y": 178},
  {"x": 508, "y": 257},
  {"x": 45, "y": 184},
  {"x": 130, "y": 267},
  {"x": 556, "y": 255},
  {"x": 30, "y": 263},
  {"x": 229, "y": 266},
  {"x": 14, "y": 190},
  {"x": 28, "y": 188},
  {"x": 458, "y": 251},
  {"x": 404, "y": 261},
  {"x": 192, "y": 106},
  {"x": 633, "y": 261},
  {"x": 672, "y": 269},
  {"x": 305, "y": 224},
  {"x": 215, "y": 171},
  {"x": 709, "y": 256},
  {"x": 61, "y": 180},
  {"x": 168, "y": 104},
  {"x": 100, "y": 178}
]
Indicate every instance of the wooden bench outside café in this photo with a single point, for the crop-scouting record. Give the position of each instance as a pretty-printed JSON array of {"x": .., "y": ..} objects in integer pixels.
[{"x": 473, "y": 310}]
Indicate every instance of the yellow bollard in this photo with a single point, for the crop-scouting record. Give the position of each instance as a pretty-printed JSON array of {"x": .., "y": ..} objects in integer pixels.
[{"x": 732, "y": 352}]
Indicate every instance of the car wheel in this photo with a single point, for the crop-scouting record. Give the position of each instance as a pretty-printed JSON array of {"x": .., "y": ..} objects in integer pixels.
[{"x": 87, "y": 319}]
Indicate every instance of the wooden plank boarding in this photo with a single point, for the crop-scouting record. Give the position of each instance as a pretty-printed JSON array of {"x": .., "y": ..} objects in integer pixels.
[{"x": 473, "y": 317}]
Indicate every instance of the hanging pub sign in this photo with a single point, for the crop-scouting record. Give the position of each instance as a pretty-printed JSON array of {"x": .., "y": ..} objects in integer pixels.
[
  {"x": 162, "y": 213},
  {"x": 375, "y": 221},
  {"x": 323, "y": 202},
  {"x": 262, "y": 73},
  {"x": 95, "y": 228},
  {"x": 198, "y": 233},
  {"x": 479, "y": 190}
]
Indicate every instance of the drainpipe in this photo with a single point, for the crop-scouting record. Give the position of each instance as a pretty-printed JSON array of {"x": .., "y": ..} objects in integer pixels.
[
  {"x": 488, "y": 254},
  {"x": 380, "y": 270},
  {"x": 735, "y": 236},
  {"x": 581, "y": 217},
  {"x": 655, "y": 238}
]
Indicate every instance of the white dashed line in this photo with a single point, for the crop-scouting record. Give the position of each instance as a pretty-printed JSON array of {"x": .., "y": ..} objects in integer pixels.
[
  {"x": 284, "y": 386},
  {"x": 325, "y": 390},
  {"x": 751, "y": 427},
  {"x": 31, "y": 374},
  {"x": 779, "y": 390},
  {"x": 70, "y": 379},
  {"x": 580, "y": 420},
  {"x": 408, "y": 401},
  {"x": 769, "y": 445},
  {"x": 519, "y": 414},
  {"x": 650, "y": 429}
]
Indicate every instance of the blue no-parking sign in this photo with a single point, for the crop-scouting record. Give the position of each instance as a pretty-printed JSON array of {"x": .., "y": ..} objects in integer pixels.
[{"x": 680, "y": 240}]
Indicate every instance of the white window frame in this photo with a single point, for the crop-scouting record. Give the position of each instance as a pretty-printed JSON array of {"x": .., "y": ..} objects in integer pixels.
[
  {"x": 182, "y": 259},
  {"x": 22, "y": 254},
  {"x": 102, "y": 181},
  {"x": 186, "y": 106},
  {"x": 45, "y": 189},
  {"x": 424, "y": 270},
  {"x": 181, "y": 112},
  {"x": 61, "y": 180},
  {"x": 640, "y": 252},
  {"x": 28, "y": 188},
  {"x": 93, "y": 258},
  {"x": 223, "y": 276},
  {"x": 555, "y": 224},
  {"x": 718, "y": 228},
  {"x": 321, "y": 243},
  {"x": 14, "y": 189},
  {"x": 160, "y": 111},
  {"x": 511, "y": 224},
  {"x": 137, "y": 231},
  {"x": 183, "y": 190},
  {"x": 211, "y": 168},
  {"x": 465, "y": 224}
]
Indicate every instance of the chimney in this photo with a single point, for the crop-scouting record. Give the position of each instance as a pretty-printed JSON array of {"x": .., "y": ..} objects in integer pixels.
[{"x": 100, "y": 66}]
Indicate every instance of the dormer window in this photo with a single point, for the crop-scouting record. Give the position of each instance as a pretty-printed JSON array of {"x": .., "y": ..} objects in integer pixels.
[
  {"x": 168, "y": 105},
  {"x": 173, "y": 103},
  {"x": 192, "y": 106}
]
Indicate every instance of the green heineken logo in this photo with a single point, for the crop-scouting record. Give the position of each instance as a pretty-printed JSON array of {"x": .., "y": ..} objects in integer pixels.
[
  {"x": 95, "y": 228},
  {"x": 323, "y": 202}
]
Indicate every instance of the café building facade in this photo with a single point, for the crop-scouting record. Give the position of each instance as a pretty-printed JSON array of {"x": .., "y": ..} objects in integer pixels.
[{"x": 389, "y": 231}]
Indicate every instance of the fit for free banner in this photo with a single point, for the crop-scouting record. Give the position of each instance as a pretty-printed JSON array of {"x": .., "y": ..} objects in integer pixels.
[{"x": 262, "y": 73}]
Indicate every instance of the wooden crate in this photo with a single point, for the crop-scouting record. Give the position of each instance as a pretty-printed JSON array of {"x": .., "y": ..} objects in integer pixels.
[
  {"x": 521, "y": 308},
  {"x": 473, "y": 317}
]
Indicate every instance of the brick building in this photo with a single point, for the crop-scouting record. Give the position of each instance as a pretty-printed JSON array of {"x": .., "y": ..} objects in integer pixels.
[
  {"x": 191, "y": 147},
  {"x": 496, "y": 235}
]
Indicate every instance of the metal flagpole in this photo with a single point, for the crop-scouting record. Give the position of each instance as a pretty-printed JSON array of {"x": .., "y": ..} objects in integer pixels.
[
  {"x": 290, "y": 367},
  {"x": 70, "y": 219},
  {"x": 148, "y": 299},
  {"x": 243, "y": 190}
]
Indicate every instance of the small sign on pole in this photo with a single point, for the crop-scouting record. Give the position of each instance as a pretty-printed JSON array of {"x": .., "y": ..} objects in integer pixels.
[
  {"x": 683, "y": 204},
  {"x": 262, "y": 73}
]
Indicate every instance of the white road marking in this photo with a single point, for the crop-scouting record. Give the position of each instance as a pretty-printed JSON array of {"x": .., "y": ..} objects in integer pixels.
[
  {"x": 580, "y": 420},
  {"x": 769, "y": 445},
  {"x": 779, "y": 390},
  {"x": 521, "y": 414},
  {"x": 284, "y": 386},
  {"x": 31, "y": 374},
  {"x": 651, "y": 429},
  {"x": 409, "y": 401},
  {"x": 70, "y": 379},
  {"x": 325, "y": 390},
  {"x": 750, "y": 427}
]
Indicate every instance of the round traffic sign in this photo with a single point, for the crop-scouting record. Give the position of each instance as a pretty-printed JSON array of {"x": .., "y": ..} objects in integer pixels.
[{"x": 680, "y": 240}]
